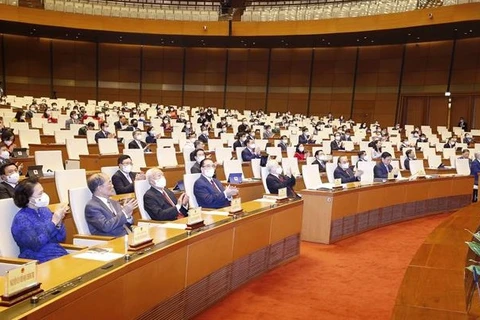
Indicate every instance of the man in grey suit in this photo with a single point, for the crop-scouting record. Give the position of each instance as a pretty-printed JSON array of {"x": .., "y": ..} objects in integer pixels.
[{"x": 106, "y": 217}]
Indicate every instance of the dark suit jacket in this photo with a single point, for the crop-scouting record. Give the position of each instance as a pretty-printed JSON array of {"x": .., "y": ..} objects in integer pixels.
[
  {"x": 6, "y": 191},
  {"x": 159, "y": 208},
  {"x": 237, "y": 144},
  {"x": 100, "y": 135},
  {"x": 248, "y": 155},
  {"x": 282, "y": 146},
  {"x": 474, "y": 170},
  {"x": 304, "y": 140},
  {"x": 448, "y": 146},
  {"x": 274, "y": 183},
  {"x": 121, "y": 184},
  {"x": 102, "y": 221},
  {"x": 82, "y": 131},
  {"x": 203, "y": 138},
  {"x": 134, "y": 145},
  {"x": 196, "y": 168},
  {"x": 118, "y": 125},
  {"x": 345, "y": 175},
  {"x": 242, "y": 128},
  {"x": 334, "y": 145},
  {"x": 208, "y": 196},
  {"x": 322, "y": 167},
  {"x": 151, "y": 139},
  {"x": 380, "y": 171},
  {"x": 406, "y": 163},
  {"x": 463, "y": 125}
]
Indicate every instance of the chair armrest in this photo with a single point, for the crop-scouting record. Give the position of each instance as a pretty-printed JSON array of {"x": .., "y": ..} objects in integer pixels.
[
  {"x": 72, "y": 247},
  {"x": 18, "y": 261},
  {"x": 89, "y": 240},
  {"x": 91, "y": 237},
  {"x": 150, "y": 221}
]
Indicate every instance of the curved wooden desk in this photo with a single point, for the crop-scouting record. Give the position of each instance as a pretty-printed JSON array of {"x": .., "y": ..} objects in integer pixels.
[
  {"x": 183, "y": 275},
  {"x": 330, "y": 216},
  {"x": 436, "y": 284}
]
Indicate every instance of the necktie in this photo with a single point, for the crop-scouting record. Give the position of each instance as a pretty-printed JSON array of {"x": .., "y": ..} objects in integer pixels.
[
  {"x": 128, "y": 177},
  {"x": 215, "y": 185},
  {"x": 165, "y": 195},
  {"x": 112, "y": 208}
]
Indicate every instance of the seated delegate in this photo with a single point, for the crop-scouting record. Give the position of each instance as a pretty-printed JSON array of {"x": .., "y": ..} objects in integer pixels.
[
  {"x": 343, "y": 171},
  {"x": 36, "y": 230},
  {"x": 210, "y": 192},
  {"x": 383, "y": 168},
  {"x": 276, "y": 180},
  {"x": 105, "y": 216},
  {"x": 124, "y": 178},
  {"x": 160, "y": 203},
  {"x": 9, "y": 176}
]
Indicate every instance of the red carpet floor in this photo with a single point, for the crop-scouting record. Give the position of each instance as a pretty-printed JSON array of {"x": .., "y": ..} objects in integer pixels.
[{"x": 357, "y": 278}]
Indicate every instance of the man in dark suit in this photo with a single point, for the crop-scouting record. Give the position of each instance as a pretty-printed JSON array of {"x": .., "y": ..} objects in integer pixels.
[
  {"x": 383, "y": 168},
  {"x": 283, "y": 143},
  {"x": 10, "y": 176},
  {"x": 105, "y": 216},
  {"x": 320, "y": 160},
  {"x": 241, "y": 138},
  {"x": 462, "y": 124},
  {"x": 104, "y": 132},
  {"x": 276, "y": 180},
  {"x": 409, "y": 155},
  {"x": 304, "y": 138},
  {"x": 199, "y": 155},
  {"x": 123, "y": 179},
  {"x": 343, "y": 171},
  {"x": 452, "y": 142},
  {"x": 121, "y": 123},
  {"x": 474, "y": 170},
  {"x": 204, "y": 135},
  {"x": 244, "y": 126},
  {"x": 208, "y": 191},
  {"x": 137, "y": 142},
  {"x": 337, "y": 143},
  {"x": 159, "y": 202},
  {"x": 83, "y": 130},
  {"x": 251, "y": 151},
  {"x": 133, "y": 125}
]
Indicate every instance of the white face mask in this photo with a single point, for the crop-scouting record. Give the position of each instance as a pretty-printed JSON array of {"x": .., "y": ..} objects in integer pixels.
[
  {"x": 5, "y": 154},
  {"x": 301, "y": 149},
  {"x": 13, "y": 178},
  {"x": 75, "y": 117},
  {"x": 43, "y": 201},
  {"x": 153, "y": 133},
  {"x": 337, "y": 138},
  {"x": 322, "y": 157},
  {"x": 200, "y": 158},
  {"x": 8, "y": 142},
  {"x": 285, "y": 141},
  {"x": 344, "y": 165},
  {"x": 138, "y": 137},
  {"x": 106, "y": 129},
  {"x": 127, "y": 168},
  {"x": 252, "y": 146},
  {"x": 279, "y": 170},
  {"x": 161, "y": 183},
  {"x": 209, "y": 172}
]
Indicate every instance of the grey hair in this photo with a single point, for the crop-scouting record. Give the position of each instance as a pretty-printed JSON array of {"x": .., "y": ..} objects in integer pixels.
[
  {"x": 96, "y": 180},
  {"x": 271, "y": 165},
  {"x": 151, "y": 173}
]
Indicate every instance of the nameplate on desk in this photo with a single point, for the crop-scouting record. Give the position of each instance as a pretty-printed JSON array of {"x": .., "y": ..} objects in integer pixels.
[
  {"x": 195, "y": 219},
  {"x": 282, "y": 193},
  {"x": 338, "y": 182},
  {"x": 20, "y": 284},
  {"x": 139, "y": 238},
  {"x": 390, "y": 176},
  {"x": 236, "y": 206}
]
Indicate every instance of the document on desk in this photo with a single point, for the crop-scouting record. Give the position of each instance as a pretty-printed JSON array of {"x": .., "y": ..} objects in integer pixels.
[
  {"x": 98, "y": 255},
  {"x": 266, "y": 200},
  {"x": 171, "y": 225},
  {"x": 216, "y": 213}
]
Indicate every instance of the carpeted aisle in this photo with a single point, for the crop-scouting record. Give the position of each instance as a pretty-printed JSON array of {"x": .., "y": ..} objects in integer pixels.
[{"x": 357, "y": 278}]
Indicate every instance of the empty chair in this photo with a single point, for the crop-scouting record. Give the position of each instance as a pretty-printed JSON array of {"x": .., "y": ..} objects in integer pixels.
[
  {"x": 28, "y": 137},
  {"x": 189, "y": 181},
  {"x": 448, "y": 152},
  {"x": 162, "y": 143},
  {"x": 223, "y": 154},
  {"x": 37, "y": 123},
  {"x": 232, "y": 166},
  {"x": 416, "y": 167},
  {"x": 264, "y": 173},
  {"x": 62, "y": 135},
  {"x": 275, "y": 151},
  {"x": 463, "y": 166},
  {"x": 367, "y": 168},
  {"x": 50, "y": 160},
  {"x": 433, "y": 161},
  {"x": 76, "y": 147},
  {"x": 109, "y": 171},
  {"x": 49, "y": 128},
  {"x": 141, "y": 186},
  {"x": 330, "y": 168},
  {"x": 290, "y": 166},
  {"x": 311, "y": 176},
  {"x": 8, "y": 246},
  {"x": 69, "y": 179},
  {"x": 108, "y": 146},
  {"x": 238, "y": 152},
  {"x": 18, "y": 126},
  {"x": 213, "y": 144},
  {"x": 290, "y": 152},
  {"x": 256, "y": 169},
  {"x": 138, "y": 158},
  {"x": 166, "y": 157}
]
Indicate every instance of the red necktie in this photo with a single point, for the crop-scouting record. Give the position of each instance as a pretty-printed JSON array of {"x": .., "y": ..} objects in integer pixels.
[
  {"x": 165, "y": 195},
  {"x": 215, "y": 185}
]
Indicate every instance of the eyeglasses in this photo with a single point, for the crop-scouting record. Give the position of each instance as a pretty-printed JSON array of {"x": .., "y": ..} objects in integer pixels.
[{"x": 208, "y": 166}]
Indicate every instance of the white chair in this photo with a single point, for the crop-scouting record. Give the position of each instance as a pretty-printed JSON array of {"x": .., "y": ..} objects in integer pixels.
[
  {"x": 91, "y": 136},
  {"x": 108, "y": 146},
  {"x": 311, "y": 177},
  {"x": 37, "y": 123},
  {"x": 76, "y": 148},
  {"x": 290, "y": 152},
  {"x": 138, "y": 158},
  {"x": 330, "y": 168},
  {"x": 189, "y": 181},
  {"x": 62, "y": 135},
  {"x": 396, "y": 165},
  {"x": 416, "y": 167},
  {"x": 256, "y": 169},
  {"x": 188, "y": 166},
  {"x": 232, "y": 166},
  {"x": 141, "y": 186},
  {"x": 448, "y": 152},
  {"x": 213, "y": 144},
  {"x": 348, "y": 145},
  {"x": 238, "y": 152},
  {"x": 162, "y": 143},
  {"x": 8, "y": 246},
  {"x": 166, "y": 157},
  {"x": 402, "y": 162},
  {"x": 264, "y": 173},
  {"x": 50, "y": 160},
  {"x": 367, "y": 168},
  {"x": 434, "y": 161},
  {"x": 28, "y": 137},
  {"x": 18, "y": 126},
  {"x": 453, "y": 161},
  {"x": 290, "y": 165},
  {"x": 463, "y": 167},
  {"x": 69, "y": 179},
  {"x": 49, "y": 128},
  {"x": 223, "y": 154},
  {"x": 109, "y": 171},
  {"x": 276, "y": 151}
]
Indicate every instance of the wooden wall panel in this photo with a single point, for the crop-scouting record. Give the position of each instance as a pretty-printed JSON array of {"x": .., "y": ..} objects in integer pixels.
[
  {"x": 438, "y": 111},
  {"x": 465, "y": 66}
]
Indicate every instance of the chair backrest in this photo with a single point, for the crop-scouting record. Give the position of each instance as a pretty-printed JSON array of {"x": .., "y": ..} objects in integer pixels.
[
  {"x": 239, "y": 151},
  {"x": 108, "y": 146},
  {"x": 138, "y": 158},
  {"x": 167, "y": 157},
  {"x": 448, "y": 152},
  {"x": 232, "y": 166},
  {"x": 311, "y": 176},
  {"x": 348, "y": 145},
  {"x": 109, "y": 171},
  {"x": 416, "y": 167},
  {"x": 162, "y": 143},
  {"x": 62, "y": 135},
  {"x": 264, "y": 174},
  {"x": 49, "y": 128},
  {"x": 69, "y": 179},
  {"x": 213, "y": 144},
  {"x": 396, "y": 165},
  {"x": 330, "y": 168},
  {"x": 290, "y": 165},
  {"x": 290, "y": 152},
  {"x": 453, "y": 161},
  {"x": 141, "y": 186},
  {"x": 257, "y": 173},
  {"x": 29, "y": 137},
  {"x": 189, "y": 181},
  {"x": 463, "y": 166},
  {"x": 91, "y": 136},
  {"x": 276, "y": 151},
  {"x": 367, "y": 168},
  {"x": 50, "y": 160},
  {"x": 78, "y": 200},
  {"x": 76, "y": 147},
  {"x": 8, "y": 246},
  {"x": 222, "y": 154},
  {"x": 188, "y": 166},
  {"x": 402, "y": 162},
  {"x": 19, "y": 126},
  {"x": 434, "y": 161},
  {"x": 427, "y": 152}
]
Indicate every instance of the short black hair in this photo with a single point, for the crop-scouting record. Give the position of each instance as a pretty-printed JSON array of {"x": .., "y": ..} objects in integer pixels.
[
  {"x": 317, "y": 152},
  {"x": 361, "y": 152},
  {"x": 195, "y": 152},
  {"x": 386, "y": 155},
  {"x": 409, "y": 152},
  {"x": 133, "y": 121},
  {"x": 203, "y": 162},
  {"x": 7, "y": 134},
  {"x": 5, "y": 165},
  {"x": 91, "y": 124},
  {"x": 72, "y": 113},
  {"x": 122, "y": 158},
  {"x": 103, "y": 124},
  {"x": 24, "y": 191}
]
